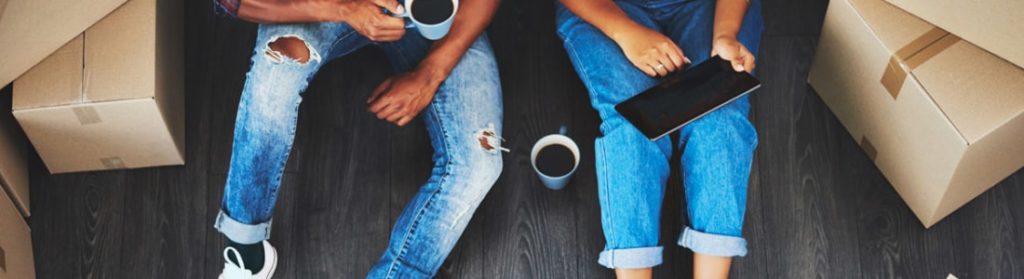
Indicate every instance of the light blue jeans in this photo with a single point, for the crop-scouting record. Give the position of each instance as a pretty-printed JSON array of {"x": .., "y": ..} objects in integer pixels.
[
  {"x": 632, "y": 170},
  {"x": 465, "y": 110}
]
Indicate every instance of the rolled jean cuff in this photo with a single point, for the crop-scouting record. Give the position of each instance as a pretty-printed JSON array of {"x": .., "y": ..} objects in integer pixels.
[
  {"x": 713, "y": 244},
  {"x": 631, "y": 258},
  {"x": 240, "y": 232}
]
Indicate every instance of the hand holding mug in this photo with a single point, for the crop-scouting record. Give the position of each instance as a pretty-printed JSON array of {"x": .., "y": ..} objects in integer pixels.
[{"x": 368, "y": 19}]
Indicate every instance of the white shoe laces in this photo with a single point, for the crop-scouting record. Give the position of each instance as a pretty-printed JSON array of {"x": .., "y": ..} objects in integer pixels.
[{"x": 232, "y": 271}]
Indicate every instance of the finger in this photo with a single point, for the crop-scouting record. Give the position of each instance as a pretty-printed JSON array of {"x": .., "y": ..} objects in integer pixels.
[
  {"x": 387, "y": 35},
  {"x": 670, "y": 66},
  {"x": 384, "y": 22},
  {"x": 393, "y": 115},
  {"x": 749, "y": 60},
  {"x": 405, "y": 120},
  {"x": 379, "y": 90},
  {"x": 658, "y": 67},
  {"x": 380, "y": 104},
  {"x": 646, "y": 69},
  {"x": 675, "y": 54}
]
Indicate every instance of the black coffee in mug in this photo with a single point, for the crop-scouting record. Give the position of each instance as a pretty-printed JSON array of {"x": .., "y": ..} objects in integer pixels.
[
  {"x": 432, "y": 11},
  {"x": 555, "y": 160}
]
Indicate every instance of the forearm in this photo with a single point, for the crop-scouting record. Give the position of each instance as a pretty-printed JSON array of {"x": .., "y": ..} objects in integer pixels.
[
  {"x": 283, "y": 11},
  {"x": 470, "y": 21},
  {"x": 605, "y": 15},
  {"x": 729, "y": 17}
]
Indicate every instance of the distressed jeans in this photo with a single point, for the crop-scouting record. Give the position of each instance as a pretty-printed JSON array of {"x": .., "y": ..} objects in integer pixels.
[
  {"x": 632, "y": 170},
  {"x": 466, "y": 110}
]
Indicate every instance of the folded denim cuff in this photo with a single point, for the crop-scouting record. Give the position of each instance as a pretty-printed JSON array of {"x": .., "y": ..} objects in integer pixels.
[
  {"x": 631, "y": 258},
  {"x": 713, "y": 244},
  {"x": 240, "y": 232}
]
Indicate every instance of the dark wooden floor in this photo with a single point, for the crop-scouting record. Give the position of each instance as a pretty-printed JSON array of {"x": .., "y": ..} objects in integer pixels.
[{"x": 818, "y": 208}]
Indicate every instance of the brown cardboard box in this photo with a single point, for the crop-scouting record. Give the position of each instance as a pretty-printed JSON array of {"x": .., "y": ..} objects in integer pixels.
[
  {"x": 32, "y": 29},
  {"x": 16, "y": 260},
  {"x": 994, "y": 25},
  {"x": 941, "y": 118},
  {"x": 13, "y": 169},
  {"x": 112, "y": 98}
]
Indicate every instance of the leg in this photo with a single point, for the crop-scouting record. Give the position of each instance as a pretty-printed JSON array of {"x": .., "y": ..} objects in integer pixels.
[
  {"x": 718, "y": 150},
  {"x": 631, "y": 169},
  {"x": 466, "y": 112},
  {"x": 285, "y": 59}
]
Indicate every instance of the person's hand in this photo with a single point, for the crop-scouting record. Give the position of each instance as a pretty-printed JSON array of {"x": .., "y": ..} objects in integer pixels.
[
  {"x": 368, "y": 18},
  {"x": 650, "y": 51},
  {"x": 400, "y": 98},
  {"x": 732, "y": 50}
]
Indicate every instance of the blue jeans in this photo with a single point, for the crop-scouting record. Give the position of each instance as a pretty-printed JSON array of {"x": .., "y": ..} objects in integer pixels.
[
  {"x": 466, "y": 109},
  {"x": 632, "y": 170}
]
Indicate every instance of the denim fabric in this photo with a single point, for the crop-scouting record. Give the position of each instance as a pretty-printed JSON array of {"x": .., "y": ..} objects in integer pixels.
[
  {"x": 467, "y": 104},
  {"x": 632, "y": 170}
]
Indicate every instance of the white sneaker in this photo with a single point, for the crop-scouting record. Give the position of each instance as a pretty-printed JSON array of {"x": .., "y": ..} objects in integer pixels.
[{"x": 232, "y": 271}]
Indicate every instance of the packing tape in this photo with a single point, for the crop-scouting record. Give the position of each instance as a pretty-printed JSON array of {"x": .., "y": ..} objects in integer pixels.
[
  {"x": 912, "y": 55},
  {"x": 868, "y": 148},
  {"x": 86, "y": 115},
  {"x": 112, "y": 163}
]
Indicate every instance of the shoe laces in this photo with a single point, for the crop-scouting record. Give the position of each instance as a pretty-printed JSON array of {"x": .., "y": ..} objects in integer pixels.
[{"x": 231, "y": 270}]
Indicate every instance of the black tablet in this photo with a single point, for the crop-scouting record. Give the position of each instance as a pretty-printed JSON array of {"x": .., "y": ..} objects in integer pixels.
[{"x": 684, "y": 96}]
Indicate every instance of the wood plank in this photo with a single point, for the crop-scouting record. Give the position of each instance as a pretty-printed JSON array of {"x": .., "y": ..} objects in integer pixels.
[
  {"x": 342, "y": 209},
  {"x": 801, "y": 164}
]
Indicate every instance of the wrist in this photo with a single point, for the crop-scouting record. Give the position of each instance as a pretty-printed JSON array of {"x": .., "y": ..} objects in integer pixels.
[
  {"x": 618, "y": 31},
  {"x": 432, "y": 72}
]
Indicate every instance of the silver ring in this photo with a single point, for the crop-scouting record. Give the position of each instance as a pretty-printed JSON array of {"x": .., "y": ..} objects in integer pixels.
[{"x": 660, "y": 66}]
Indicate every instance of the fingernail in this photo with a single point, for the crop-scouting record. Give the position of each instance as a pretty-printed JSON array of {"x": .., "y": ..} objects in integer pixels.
[
  {"x": 400, "y": 10},
  {"x": 687, "y": 59},
  {"x": 739, "y": 68}
]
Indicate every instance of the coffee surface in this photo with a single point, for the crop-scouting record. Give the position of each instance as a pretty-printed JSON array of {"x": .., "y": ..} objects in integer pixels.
[
  {"x": 555, "y": 160},
  {"x": 432, "y": 11}
]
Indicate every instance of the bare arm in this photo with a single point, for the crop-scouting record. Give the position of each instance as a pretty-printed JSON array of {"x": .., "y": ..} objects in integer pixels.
[
  {"x": 365, "y": 16},
  {"x": 400, "y": 98}
]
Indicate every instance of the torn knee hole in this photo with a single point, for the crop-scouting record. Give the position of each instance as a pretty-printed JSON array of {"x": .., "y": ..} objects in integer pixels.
[
  {"x": 291, "y": 47},
  {"x": 489, "y": 139}
]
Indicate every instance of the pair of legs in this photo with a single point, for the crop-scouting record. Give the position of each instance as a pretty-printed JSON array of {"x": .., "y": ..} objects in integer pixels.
[
  {"x": 466, "y": 109},
  {"x": 632, "y": 170}
]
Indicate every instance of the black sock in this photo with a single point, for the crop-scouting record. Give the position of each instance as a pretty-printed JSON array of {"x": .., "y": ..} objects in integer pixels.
[{"x": 252, "y": 255}]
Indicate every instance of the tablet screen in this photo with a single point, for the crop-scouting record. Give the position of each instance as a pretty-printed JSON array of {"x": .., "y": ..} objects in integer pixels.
[{"x": 685, "y": 96}]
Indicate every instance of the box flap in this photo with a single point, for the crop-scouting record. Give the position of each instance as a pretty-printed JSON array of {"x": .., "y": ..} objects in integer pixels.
[
  {"x": 55, "y": 81},
  {"x": 978, "y": 91},
  {"x": 117, "y": 68},
  {"x": 32, "y": 29},
  {"x": 893, "y": 27}
]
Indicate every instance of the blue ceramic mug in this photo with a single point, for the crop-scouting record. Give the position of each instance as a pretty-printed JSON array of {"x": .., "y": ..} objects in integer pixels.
[{"x": 431, "y": 31}]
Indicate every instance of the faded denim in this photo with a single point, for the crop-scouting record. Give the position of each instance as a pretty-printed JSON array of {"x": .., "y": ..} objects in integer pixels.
[
  {"x": 467, "y": 104},
  {"x": 632, "y": 170}
]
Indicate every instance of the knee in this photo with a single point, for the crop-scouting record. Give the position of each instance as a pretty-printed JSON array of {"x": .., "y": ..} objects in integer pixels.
[
  {"x": 727, "y": 125},
  {"x": 290, "y": 48}
]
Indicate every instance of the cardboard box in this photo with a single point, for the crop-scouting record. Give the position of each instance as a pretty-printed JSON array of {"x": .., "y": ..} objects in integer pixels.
[
  {"x": 942, "y": 119},
  {"x": 994, "y": 25},
  {"x": 32, "y": 29},
  {"x": 16, "y": 260},
  {"x": 13, "y": 162},
  {"x": 113, "y": 97}
]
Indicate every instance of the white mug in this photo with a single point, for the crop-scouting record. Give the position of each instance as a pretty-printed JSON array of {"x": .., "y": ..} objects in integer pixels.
[
  {"x": 555, "y": 183},
  {"x": 431, "y": 31}
]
